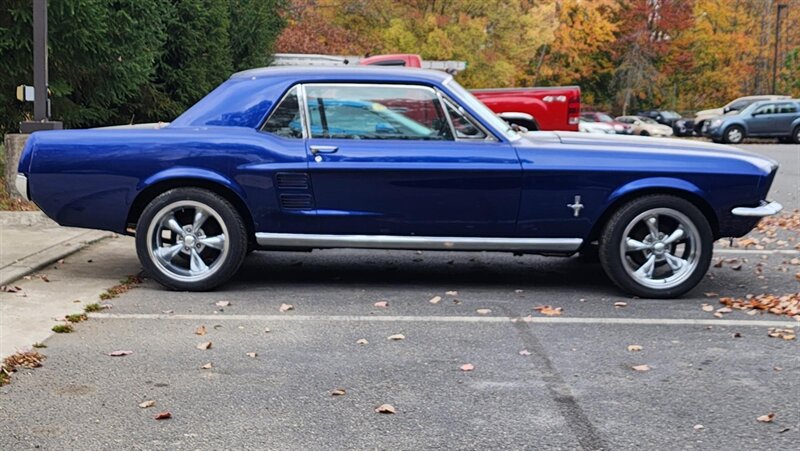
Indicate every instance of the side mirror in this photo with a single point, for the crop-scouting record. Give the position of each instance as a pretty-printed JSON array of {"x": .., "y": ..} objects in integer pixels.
[{"x": 726, "y": 110}]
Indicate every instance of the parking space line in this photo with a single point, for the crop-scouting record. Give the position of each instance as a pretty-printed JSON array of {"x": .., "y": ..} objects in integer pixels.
[
  {"x": 451, "y": 319},
  {"x": 757, "y": 252}
]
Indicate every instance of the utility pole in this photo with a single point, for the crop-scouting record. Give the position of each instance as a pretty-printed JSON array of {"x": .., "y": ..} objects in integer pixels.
[
  {"x": 777, "y": 43},
  {"x": 41, "y": 99}
]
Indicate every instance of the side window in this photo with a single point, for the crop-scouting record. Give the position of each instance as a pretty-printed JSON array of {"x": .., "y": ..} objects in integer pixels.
[
  {"x": 788, "y": 107},
  {"x": 464, "y": 126},
  {"x": 376, "y": 112},
  {"x": 285, "y": 120},
  {"x": 765, "y": 109}
]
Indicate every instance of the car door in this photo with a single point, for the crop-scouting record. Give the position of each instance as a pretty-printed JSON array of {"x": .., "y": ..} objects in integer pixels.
[
  {"x": 785, "y": 113},
  {"x": 388, "y": 160},
  {"x": 762, "y": 120}
]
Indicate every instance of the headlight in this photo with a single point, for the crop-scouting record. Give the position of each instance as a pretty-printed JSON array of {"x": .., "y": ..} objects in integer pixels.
[
  {"x": 716, "y": 122},
  {"x": 618, "y": 127}
]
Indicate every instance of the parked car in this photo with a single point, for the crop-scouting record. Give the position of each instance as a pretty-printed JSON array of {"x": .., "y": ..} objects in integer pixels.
[
  {"x": 736, "y": 105},
  {"x": 680, "y": 126},
  {"x": 620, "y": 128},
  {"x": 765, "y": 119},
  {"x": 551, "y": 108},
  {"x": 683, "y": 127},
  {"x": 645, "y": 126},
  {"x": 305, "y": 158},
  {"x": 587, "y": 126}
]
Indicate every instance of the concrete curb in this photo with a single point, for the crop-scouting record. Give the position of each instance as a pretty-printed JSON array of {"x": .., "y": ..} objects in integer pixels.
[{"x": 39, "y": 259}]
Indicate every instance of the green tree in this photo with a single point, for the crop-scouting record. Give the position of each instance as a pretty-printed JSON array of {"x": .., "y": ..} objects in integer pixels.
[{"x": 255, "y": 26}]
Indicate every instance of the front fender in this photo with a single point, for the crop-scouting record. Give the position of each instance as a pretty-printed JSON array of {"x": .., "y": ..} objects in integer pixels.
[{"x": 656, "y": 183}]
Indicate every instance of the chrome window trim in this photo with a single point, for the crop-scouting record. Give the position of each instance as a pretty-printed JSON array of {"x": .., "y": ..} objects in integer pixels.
[
  {"x": 299, "y": 240},
  {"x": 305, "y": 112},
  {"x": 443, "y": 106},
  {"x": 368, "y": 84},
  {"x": 500, "y": 136},
  {"x": 490, "y": 138},
  {"x": 277, "y": 105}
]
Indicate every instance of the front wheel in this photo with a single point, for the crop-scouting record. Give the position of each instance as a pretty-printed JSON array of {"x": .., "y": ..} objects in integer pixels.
[
  {"x": 191, "y": 239},
  {"x": 733, "y": 135},
  {"x": 657, "y": 246}
]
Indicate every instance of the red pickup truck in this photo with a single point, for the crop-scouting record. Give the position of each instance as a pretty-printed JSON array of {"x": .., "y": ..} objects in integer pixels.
[{"x": 546, "y": 108}]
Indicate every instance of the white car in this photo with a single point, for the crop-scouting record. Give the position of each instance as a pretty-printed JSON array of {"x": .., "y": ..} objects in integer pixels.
[
  {"x": 644, "y": 126},
  {"x": 586, "y": 126}
]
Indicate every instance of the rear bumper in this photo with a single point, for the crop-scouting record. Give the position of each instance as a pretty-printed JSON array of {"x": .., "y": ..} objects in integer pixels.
[
  {"x": 765, "y": 209},
  {"x": 21, "y": 183}
]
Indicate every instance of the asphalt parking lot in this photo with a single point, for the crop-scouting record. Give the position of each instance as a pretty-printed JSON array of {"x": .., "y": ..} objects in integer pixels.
[{"x": 538, "y": 381}]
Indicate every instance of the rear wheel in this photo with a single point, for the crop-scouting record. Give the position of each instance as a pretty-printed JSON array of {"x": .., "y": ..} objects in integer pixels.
[
  {"x": 191, "y": 239},
  {"x": 733, "y": 135},
  {"x": 644, "y": 133},
  {"x": 656, "y": 246},
  {"x": 796, "y": 135}
]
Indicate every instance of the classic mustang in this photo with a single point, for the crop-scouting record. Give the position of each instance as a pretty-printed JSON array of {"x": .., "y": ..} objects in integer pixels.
[{"x": 311, "y": 158}]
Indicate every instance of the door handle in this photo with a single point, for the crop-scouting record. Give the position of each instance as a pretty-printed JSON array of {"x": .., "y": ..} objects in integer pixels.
[{"x": 323, "y": 149}]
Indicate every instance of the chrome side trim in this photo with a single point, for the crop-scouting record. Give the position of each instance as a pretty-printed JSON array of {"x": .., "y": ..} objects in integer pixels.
[
  {"x": 21, "y": 183},
  {"x": 418, "y": 242},
  {"x": 765, "y": 209}
]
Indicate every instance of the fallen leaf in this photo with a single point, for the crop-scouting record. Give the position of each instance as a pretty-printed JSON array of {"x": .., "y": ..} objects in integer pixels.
[
  {"x": 483, "y": 311},
  {"x": 452, "y": 293},
  {"x": 435, "y": 300},
  {"x": 200, "y": 330},
  {"x": 382, "y": 304},
  {"x": 548, "y": 310},
  {"x": 396, "y": 337},
  {"x": 167, "y": 312},
  {"x": 641, "y": 368},
  {"x": 338, "y": 392},
  {"x": 766, "y": 418},
  {"x": 698, "y": 427},
  {"x": 223, "y": 303},
  {"x": 786, "y": 334},
  {"x": 737, "y": 335},
  {"x": 634, "y": 348},
  {"x": 252, "y": 354},
  {"x": 204, "y": 345},
  {"x": 120, "y": 353},
  {"x": 266, "y": 330},
  {"x": 207, "y": 366},
  {"x": 620, "y": 304},
  {"x": 724, "y": 310},
  {"x": 524, "y": 352},
  {"x": 708, "y": 308},
  {"x": 711, "y": 294},
  {"x": 10, "y": 288},
  {"x": 286, "y": 307},
  {"x": 467, "y": 367},
  {"x": 147, "y": 404},
  {"x": 385, "y": 408},
  {"x": 362, "y": 341},
  {"x": 737, "y": 267},
  {"x": 163, "y": 416}
]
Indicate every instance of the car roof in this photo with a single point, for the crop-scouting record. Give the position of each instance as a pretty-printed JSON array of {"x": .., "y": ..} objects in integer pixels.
[{"x": 357, "y": 73}]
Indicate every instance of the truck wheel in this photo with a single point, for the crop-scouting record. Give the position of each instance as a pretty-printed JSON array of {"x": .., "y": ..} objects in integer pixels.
[
  {"x": 656, "y": 246},
  {"x": 191, "y": 239},
  {"x": 733, "y": 135}
]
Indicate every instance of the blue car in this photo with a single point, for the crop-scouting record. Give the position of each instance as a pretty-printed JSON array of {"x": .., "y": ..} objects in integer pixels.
[
  {"x": 316, "y": 158},
  {"x": 765, "y": 119}
]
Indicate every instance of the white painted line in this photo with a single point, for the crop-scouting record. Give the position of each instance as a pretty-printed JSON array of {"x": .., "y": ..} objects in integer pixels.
[
  {"x": 452, "y": 319},
  {"x": 757, "y": 252}
]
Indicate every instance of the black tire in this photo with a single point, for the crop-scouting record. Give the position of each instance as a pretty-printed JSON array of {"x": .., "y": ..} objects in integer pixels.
[
  {"x": 796, "y": 135},
  {"x": 697, "y": 241},
  {"x": 644, "y": 133},
  {"x": 733, "y": 135},
  {"x": 183, "y": 269}
]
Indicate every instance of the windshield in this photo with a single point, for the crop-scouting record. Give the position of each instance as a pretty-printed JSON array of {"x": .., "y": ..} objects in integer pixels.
[
  {"x": 647, "y": 120},
  {"x": 481, "y": 110},
  {"x": 603, "y": 117},
  {"x": 670, "y": 115}
]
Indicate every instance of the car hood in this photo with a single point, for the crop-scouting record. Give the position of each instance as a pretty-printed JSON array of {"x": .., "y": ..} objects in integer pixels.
[
  {"x": 626, "y": 143},
  {"x": 709, "y": 113}
]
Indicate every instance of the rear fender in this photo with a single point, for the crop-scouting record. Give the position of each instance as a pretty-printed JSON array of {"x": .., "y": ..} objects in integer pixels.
[{"x": 184, "y": 173}]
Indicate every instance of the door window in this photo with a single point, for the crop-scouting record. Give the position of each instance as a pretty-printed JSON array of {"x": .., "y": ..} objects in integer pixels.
[
  {"x": 464, "y": 126},
  {"x": 285, "y": 120},
  {"x": 765, "y": 109},
  {"x": 376, "y": 112},
  {"x": 784, "y": 108}
]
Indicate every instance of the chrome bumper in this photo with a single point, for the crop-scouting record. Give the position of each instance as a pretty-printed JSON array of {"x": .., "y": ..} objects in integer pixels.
[
  {"x": 765, "y": 209},
  {"x": 22, "y": 186}
]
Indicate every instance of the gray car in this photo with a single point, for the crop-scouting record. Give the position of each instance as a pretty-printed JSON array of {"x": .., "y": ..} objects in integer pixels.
[{"x": 766, "y": 119}]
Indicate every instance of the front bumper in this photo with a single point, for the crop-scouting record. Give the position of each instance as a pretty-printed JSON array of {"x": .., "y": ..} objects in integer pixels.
[
  {"x": 765, "y": 209},
  {"x": 21, "y": 183}
]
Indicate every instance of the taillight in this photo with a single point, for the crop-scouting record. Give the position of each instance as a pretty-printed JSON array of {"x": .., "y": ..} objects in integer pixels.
[{"x": 574, "y": 109}]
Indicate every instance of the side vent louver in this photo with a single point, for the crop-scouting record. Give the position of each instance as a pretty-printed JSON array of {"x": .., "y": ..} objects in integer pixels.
[
  {"x": 291, "y": 180},
  {"x": 295, "y": 201}
]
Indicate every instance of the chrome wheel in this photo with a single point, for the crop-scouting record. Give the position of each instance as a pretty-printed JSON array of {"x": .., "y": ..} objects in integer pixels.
[
  {"x": 188, "y": 241},
  {"x": 735, "y": 135},
  {"x": 660, "y": 248}
]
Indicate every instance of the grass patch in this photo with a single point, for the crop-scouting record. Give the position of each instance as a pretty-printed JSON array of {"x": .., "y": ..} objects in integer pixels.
[
  {"x": 27, "y": 359},
  {"x": 76, "y": 317},
  {"x": 39, "y": 345},
  {"x": 94, "y": 307},
  {"x": 123, "y": 287},
  {"x": 62, "y": 328}
]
